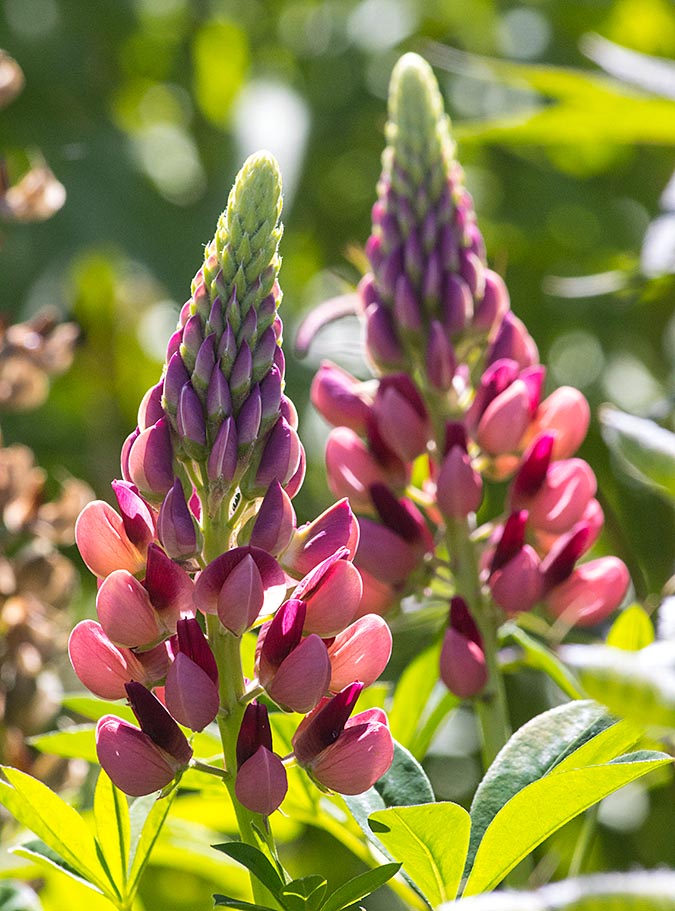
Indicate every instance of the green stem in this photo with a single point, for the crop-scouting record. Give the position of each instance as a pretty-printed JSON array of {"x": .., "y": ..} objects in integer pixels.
[
  {"x": 254, "y": 828},
  {"x": 584, "y": 843},
  {"x": 491, "y": 705}
]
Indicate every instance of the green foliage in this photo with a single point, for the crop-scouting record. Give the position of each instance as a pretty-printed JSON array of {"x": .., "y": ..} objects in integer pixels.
[
  {"x": 644, "y": 449},
  {"x": 309, "y": 893},
  {"x": 632, "y": 630}
]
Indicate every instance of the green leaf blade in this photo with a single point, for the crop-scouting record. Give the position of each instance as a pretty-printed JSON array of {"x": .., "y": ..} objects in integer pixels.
[
  {"x": 431, "y": 841},
  {"x": 113, "y": 830},
  {"x": 541, "y": 809},
  {"x": 357, "y": 888},
  {"x": 255, "y": 862}
]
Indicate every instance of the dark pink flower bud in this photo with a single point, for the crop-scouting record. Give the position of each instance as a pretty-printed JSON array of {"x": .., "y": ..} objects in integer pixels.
[
  {"x": 440, "y": 361},
  {"x": 459, "y": 487},
  {"x": 261, "y": 783},
  {"x": 227, "y": 350},
  {"x": 271, "y": 399},
  {"x": 505, "y": 420},
  {"x": 137, "y": 516},
  {"x": 495, "y": 380},
  {"x": 562, "y": 499},
  {"x": 101, "y": 666},
  {"x": 204, "y": 363},
  {"x": 590, "y": 593},
  {"x": 275, "y": 522},
  {"x": 150, "y": 410},
  {"x": 248, "y": 421},
  {"x": 337, "y": 396},
  {"x": 170, "y": 588},
  {"x": 176, "y": 526},
  {"x": 516, "y": 586},
  {"x": 513, "y": 341},
  {"x": 193, "y": 336},
  {"x": 190, "y": 423},
  {"x": 403, "y": 517},
  {"x": 175, "y": 378},
  {"x": 407, "y": 310},
  {"x": 134, "y": 762},
  {"x": 126, "y": 612},
  {"x": 263, "y": 355},
  {"x": 279, "y": 461},
  {"x": 317, "y": 541},
  {"x": 494, "y": 303},
  {"x": 566, "y": 414},
  {"x": 238, "y": 585},
  {"x": 218, "y": 399},
  {"x": 511, "y": 539},
  {"x": 242, "y": 372},
  {"x": 222, "y": 462},
  {"x": 456, "y": 304},
  {"x": 559, "y": 562},
  {"x": 360, "y": 652},
  {"x": 343, "y": 754},
  {"x": 151, "y": 461},
  {"x": 401, "y": 416},
  {"x": 462, "y": 664},
  {"x": 382, "y": 343},
  {"x": 332, "y": 593},
  {"x": 351, "y": 468},
  {"x": 294, "y": 671},
  {"x": 385, "y": 554},
  {"x": 124, "y": 453},
  {"x": 157, "y": 723},
  {"x": 191, "y": 690},
  {"x": 103, "y": 541},
  {"x": 533, "y": 468}
]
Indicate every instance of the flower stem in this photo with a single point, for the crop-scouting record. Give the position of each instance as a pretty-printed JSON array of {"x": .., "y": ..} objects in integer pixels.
[{"x": 491, "y": 706}]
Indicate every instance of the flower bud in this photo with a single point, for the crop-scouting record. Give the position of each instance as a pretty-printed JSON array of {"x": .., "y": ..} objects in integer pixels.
[
  {"x": 332, "y": 592},
  {"x": 337, "y": 397},
  {"x": 459, "y": 487},
  {"x": 590, "y": 593},
  {"x": 516, "y": 586},
  {"x": 126, "y": 613},
  {"x": 191, "y": 690},
  {"x": 360, "y": 652},
  {"x": 151, "y": 461},
  {"x": 176, "y": 526},
  {"x": 462, "y": 664},
  {"x": 274, "y": 524},
  {"x": 566, "y": 414},
  {"x": 261, "y": 783}
]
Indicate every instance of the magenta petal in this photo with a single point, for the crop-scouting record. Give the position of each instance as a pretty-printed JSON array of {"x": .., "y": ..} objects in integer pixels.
[
  {"x": 103, "y": 541},
  {"x": 151, "y": 460},
  {"x": 134, "y": 763},
  {"x": 275, "y": 523},
  {"x": 138, "y": 519},
  {"x": 170, "y": 588},
  {"x": 191, "y": 695},
  {"x": 303, "y": 677},
  {"x": 261, "y": 783},
  {"x": 319, "y": 540},
  {"x": 156, "y": 722},
  {"x": 462, "y": 665},
  {"x": 323, "y": 725},
  {"x": 193, "y": 643},
  {"x": 125, "y": 611},
  {"x": 101, "y": 666},
  {"x": 333, "y": 593},
  {"x": 360, "y": 652},
  {"x": 361, "y": 754},
  {"x": 254, "y": 732}
]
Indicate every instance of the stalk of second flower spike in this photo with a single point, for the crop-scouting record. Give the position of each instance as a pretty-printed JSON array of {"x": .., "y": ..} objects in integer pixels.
[{"x": 491, "y": 705}]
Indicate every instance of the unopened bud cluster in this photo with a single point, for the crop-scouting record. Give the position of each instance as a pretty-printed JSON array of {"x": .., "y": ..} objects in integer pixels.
[
  {"x": 458, "y": 402},
  {"x": 216, "y": 456}
]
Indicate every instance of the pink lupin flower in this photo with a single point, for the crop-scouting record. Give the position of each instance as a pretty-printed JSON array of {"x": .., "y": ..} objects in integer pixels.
[
  {"x": 590, "y": 593},
  {"x": 360, "y": 652},
  {"x": 378, "y": 596},
  {"x": 332, "y": 593},
  {"x": 494, "y": 304},
  {"x": 401, "y": 416},
  {"x": 339, "y": 397},
  {"x": 565, "y": 412},
  {"x": 140, "y": 762},
  {"x": 562, "y": 498},
  {"x": 137, "y": 515},
  {"x": 126, "y": 613},
  {"x": 514, "y": 577},
  {"x": 150, "y": 461},
  {"x": 462, "y": 664},
  {"x": 344, "y": 754},
  {"x": 505, "y": 420},
  {"x": 101, "y": 666},
  {"x": 294, "y": 670},
  {"x": 318, "y": 540},
  {"x": 512, "y": 340},
  {"x": 459, "y": 487},
  {"x": 191, "y": 689},
  {"x": 239, "y": 585},
  {"x": 352, "y": 468},
  {"x": 176, "y": 526},
  {"x": 103, "y": 541},
  {"x": 261, "y": 783},
  {"x": 275, "y": 522}
]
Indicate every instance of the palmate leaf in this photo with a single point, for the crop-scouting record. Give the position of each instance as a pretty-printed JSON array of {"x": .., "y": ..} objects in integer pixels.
[
  {"x": 57, "y": 824},
  {"x": 645, "y": 891},
  {"x": 431, "y": 840},
  {"x": 545, "y": 806}
]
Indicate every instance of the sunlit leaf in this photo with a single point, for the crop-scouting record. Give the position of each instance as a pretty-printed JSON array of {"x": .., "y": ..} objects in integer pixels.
[
  {"x": 545, "y": 806},
  {"x": 113, "y": 829},
  {"x": 431, "y": 841},
  {"x": 632, "y": 630},
  {"x": 357, "y": 888},
  {"x": 78, "y": 742},
  {"x": 541, "y": 658},
  {"x": 304, "y": 894},
  {"x": 644, "y": 449},
  {"x": 147, "y": 816},
  {"x": 61, "y": 828},
  {"x": 254, "y": 861}
]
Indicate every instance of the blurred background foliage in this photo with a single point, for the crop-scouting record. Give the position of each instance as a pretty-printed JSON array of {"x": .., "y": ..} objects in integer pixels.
[{"x": 144, "y": 110}]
